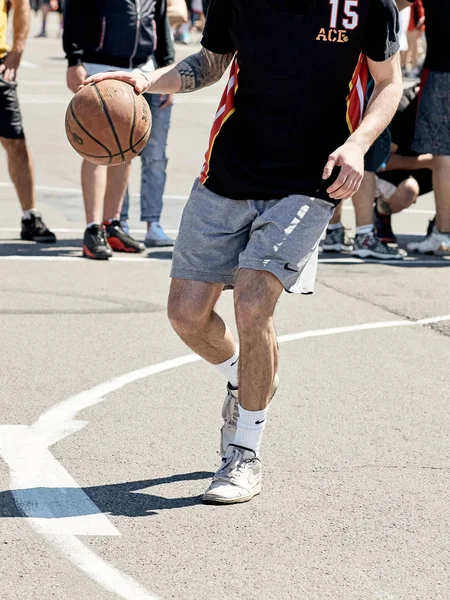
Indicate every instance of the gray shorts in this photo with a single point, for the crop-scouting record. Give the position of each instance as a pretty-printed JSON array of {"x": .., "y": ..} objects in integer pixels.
[{"x": 218, "y": 236}]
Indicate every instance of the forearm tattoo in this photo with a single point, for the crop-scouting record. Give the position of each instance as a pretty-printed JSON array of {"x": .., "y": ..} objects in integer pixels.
[{"x": 202, "y": 69}]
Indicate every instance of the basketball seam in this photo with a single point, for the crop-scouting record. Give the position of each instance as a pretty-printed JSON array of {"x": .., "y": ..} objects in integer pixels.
[
  {"x": 133, "y": 124},
  {"x": 110, "y": 155},
  {"x": 110, "y": 121}
]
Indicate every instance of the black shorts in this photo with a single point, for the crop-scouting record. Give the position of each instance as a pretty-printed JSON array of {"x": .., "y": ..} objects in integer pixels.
[{"x": 11, "y": 125}]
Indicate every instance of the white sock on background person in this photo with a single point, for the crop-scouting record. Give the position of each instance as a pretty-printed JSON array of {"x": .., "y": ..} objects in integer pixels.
[
  {"x": 250, "y": 427},
  {"x": 333, "y": 226},
  {"x": 364, "y": 229},
  {"x": 229, "y": 369}
]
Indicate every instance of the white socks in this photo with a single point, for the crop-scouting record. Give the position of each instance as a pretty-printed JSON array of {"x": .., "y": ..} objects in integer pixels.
[
  {"x": 364, "y": 229},
  {"x": 250, "y": 427},
  {"x": 28, "y": 213},
  {"x": 333, "y": 226},
  {"x": 229, "y": 369}
]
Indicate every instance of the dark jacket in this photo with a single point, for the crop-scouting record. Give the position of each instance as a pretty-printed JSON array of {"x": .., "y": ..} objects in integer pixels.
[{"x": 119, "y": 33}]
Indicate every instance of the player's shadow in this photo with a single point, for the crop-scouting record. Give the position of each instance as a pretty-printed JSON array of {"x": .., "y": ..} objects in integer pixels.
[
  {"x": 130, "y": 499},
  {"x": 17, "y": 248}
]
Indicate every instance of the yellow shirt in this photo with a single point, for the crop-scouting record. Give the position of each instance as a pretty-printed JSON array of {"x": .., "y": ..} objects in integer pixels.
[{"x": 3, "y": 22}]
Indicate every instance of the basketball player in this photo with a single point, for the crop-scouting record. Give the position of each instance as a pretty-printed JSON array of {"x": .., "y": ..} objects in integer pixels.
[
  {"x": 12, "y": 136},
  {"x": 287, "y": 145}
]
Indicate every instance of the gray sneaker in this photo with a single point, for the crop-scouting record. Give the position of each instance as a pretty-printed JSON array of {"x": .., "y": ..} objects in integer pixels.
[
  {"x": 237, "y": 480},
  {"x": 368, "y": 245},
  {"x": 230, "y": 415},
  {"x": 336, "y": 240}
]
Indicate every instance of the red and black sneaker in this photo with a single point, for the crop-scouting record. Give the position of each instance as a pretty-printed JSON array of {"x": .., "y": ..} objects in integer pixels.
[
  {"x": 95, "y": 245},
  {"x": 121, "y": 241},
  {"x": 383, "y": 227}
]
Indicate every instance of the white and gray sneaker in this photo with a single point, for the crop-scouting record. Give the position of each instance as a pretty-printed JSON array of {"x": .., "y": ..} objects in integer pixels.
[
  {"x": 230, "y": 415},
  {"x": 156, "y": 237},
  {"x": 237, "y": 480},
  {"x": 369, "y": 245},
  {"x": 433, "y": 243},
  {"x": 336, "y": 240}
]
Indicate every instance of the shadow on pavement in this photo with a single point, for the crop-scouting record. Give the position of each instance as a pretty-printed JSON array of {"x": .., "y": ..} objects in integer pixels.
[
  {"x": 64, "y": 247},
  {"x": 121, "y": 499}
]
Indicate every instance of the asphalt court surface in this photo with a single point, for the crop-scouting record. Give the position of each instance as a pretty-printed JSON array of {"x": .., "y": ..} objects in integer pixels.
[{"x": 109, "y": 426}]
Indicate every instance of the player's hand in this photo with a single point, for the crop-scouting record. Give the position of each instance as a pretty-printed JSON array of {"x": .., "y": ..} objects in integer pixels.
[
  {"x": 75, "y": 77},
  {"x": 139, "y": 81},
  {"x": 166, "y": 100},
  {"x": 8, "y": 70},
  {"x": 350, "y": 157}
]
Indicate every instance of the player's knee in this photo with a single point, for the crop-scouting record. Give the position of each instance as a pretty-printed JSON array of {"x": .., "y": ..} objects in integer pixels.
[
  {"x": 250, "y": 312},
  {"x": 406, "y": 195},
  {"x": 16, "y": 149},
  {"x": 185, "y": 315}
]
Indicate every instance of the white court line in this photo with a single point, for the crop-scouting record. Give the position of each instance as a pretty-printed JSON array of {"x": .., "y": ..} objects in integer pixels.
[
  {"x": 45, "y": 188},
  {"x": 60, "y": 421},
  {"x": 143, "y": 260}
]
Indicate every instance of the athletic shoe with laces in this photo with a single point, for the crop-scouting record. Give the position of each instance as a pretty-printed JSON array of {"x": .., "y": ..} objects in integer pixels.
[
  {"x": 433, "y": 243},
  {"x": 121, "y": 241},
  {"x": 336, "y": 240},
  {"x": 237, "y": 480},
  {"x": 230, "y": 415},
  {"x": 95, "y": 245},
  {"x": 35, "y": 230},
  {"x": 156, "y": 237},
  {"x": 383, "y": 227},
  {"x": 368, "y": 245}
]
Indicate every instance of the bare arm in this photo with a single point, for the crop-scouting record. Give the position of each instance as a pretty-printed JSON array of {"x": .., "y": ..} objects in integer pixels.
[
  {"x": 21, "y": 25},
  {"x": 397, "y": 162},
  {"x": 380, "y": 110},
  {"x": 193, "y": 73}
]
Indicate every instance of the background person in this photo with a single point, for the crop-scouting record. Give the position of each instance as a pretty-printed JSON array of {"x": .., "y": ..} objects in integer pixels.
[
  {"x": 12, "y": 135},
  {"x": 99, "y": 37},
  {"x": 433, "y": 121}
]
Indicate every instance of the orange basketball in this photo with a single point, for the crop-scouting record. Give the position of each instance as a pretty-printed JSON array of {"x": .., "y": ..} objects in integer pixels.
[{"x": 107, "y": 123}]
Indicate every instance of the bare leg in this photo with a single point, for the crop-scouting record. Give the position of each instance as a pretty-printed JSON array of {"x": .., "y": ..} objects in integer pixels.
[
  {"x": 255, "y": 296},
  {"x": 405, "y": 195},
  {"x": 45, "y": 8},
  {"x": 337, "y": 215},
  {"x": 116, "y": 184},
  {"x": 191, "y": 313},
  {"x": 20, "y": 168},
  {"x": 93, "y": 182},
  {"x": 441, "y": 186},
  {"x": 363, "y": 200}
]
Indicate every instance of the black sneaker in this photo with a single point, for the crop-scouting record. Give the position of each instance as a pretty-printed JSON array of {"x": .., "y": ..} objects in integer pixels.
[
  {"x": 95, "y": 245},
  {"x": 121, "y": 241},
  {"x": 383, "y": 227},
  {"x": 35, "y": 230}
]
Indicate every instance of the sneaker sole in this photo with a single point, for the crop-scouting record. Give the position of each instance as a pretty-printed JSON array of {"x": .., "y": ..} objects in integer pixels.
[
  {"x": 88, "y": 254},
  {"x": 336, "y": 248},
  {"x": 161, "y": 244},
  {"x": 217, "y": 500},
  {"x": 38, "y": 240},
  {"x": 370, "y": 254}
]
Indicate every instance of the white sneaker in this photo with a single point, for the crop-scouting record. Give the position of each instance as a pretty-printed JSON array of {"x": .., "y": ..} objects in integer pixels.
[
  {"x": 230, "y": 415},
  {"x": 237, "y": 480},
  {"x": 432, "y": 243},
  {"x": 157, "y": 237}
]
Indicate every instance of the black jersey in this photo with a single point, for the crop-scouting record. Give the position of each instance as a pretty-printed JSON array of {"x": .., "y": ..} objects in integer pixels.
[{"x": 297, "y": 89}]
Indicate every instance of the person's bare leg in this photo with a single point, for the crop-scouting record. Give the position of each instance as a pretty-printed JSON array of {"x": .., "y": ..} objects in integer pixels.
[
  {"x": 405, "y": 195},
  {"x": 192, "y": 315},
  {"x": 45, "y": 9},
  {"x": 20, "y": 168},
  {"x": 441, "y": 187},
  {"x": 116, "y": 184},
  {"x": 337, "y": 215},
  {"x": 93, "y": 183},
  {"x": 363, "y": 200},
  {"x": 255, "y": 296}
]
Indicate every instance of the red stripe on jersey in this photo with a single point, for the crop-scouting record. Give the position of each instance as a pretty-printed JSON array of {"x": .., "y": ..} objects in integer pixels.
[
  {"x": 224, "y": 112},
  {"x": 356, "y": 99}
]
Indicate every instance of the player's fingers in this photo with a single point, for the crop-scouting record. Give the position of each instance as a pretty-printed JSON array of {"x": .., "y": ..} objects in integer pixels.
[
  {"x": 340, "y": 181},
  {"x": 350, "y": 187},
  {"x": 332, "y": 159}
]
